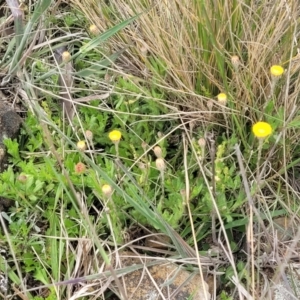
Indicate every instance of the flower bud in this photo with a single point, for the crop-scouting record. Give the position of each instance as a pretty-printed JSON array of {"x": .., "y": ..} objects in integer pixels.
[
  {"x": 202, "y": 142},
  {"x": 22, "y": 178},
  {"x": 144, "y": 146},
  {"x": 210, "y": 105},
  {"x": 157, "y": 151},
  {"x": 94, "y": 29},
  {"x": 160, "y": 164},
  {"x": 142, "y": 166},
  {"x": 159, "y": 134},
  {"x": 235, "y": 61},
  {"x": 79, "y": 168},
  {"x": 89, "y": 135},
  {"x": 144, "y": 49}
]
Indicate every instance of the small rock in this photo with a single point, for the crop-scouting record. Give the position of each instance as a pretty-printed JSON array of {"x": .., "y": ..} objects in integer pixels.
[
  {"x": 3, "y": 284},
  {"x": 167, "y": 279},
  {"x": 10, "y": 123},
  {"x": 289, "y": 289},
  {"x": 285, "y": 229}
]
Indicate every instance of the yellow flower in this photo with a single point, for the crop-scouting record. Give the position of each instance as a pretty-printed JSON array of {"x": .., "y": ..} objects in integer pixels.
[
  {"x": 222, "y": 98},
  {"x": 276, "y": 70},
  {"x": 107, "y": 190},
  {"x": 66, "y": 56},
  {"x": 115, "y": 136},
  {"x": 81, "y": 145},
  {"x": 262, "y": 129},
  {"x": 93, "y": 29}
]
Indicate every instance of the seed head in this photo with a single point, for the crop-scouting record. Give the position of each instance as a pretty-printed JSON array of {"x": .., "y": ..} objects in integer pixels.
[
  {"x": 235, "y": 62},
  {"x": 22, "y": 178},
  {"x": 157, "y": 151},
  {"x": 160, "y": 164},
  {"x": 160, "y": 134},
  {"x": 144, "y": 145},
  {"x": 144, "y": 49},
  {"x": 142, "y": 166},
  {"x": 89, "y": 135},
  {"x": 202, "y": 142},
  {"x": 210, "y": 104}
]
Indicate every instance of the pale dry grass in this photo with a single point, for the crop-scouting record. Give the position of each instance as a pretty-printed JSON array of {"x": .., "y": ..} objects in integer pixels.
[{"x": 197, "y": 43}]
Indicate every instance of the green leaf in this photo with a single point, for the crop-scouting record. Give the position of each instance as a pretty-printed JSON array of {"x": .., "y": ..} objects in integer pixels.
[
  {"x": 38, "y": 186},
  {"x": 41, "y": 275},
  {"x": 98, "y": 68},
  {"x": 95, "y": 42},
  {"x": 12, "y": 148}
]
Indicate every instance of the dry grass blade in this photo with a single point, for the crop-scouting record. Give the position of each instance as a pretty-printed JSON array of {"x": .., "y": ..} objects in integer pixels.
[
  {"x": 18, "y": 16},
  {"x": 65, "y": 81},
  {"x": 25, "y": 33}
]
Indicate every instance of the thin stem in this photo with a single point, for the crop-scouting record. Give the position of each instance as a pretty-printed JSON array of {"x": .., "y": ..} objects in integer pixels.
[
  {"x": 258, "y": 174},
  {"x": 226, "y": 121},
  {"x": 213, "y": 182}
]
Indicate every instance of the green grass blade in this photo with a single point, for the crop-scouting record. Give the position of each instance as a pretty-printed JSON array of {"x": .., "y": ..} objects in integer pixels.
[
  {"x": 106, "y": 35},
  {"x": 99, "y": 66}
]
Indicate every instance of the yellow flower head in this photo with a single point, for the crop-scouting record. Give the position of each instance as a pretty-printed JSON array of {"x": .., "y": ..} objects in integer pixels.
[
  {"x": 66, "y": 56},
  {"x": 107, "y": 190},
  {"x": 94, "y": 29},
  {"x": 276, "y": 70},
  {"x": 222, "y": 98},
  {"x": 115, "y": 136},
  {"x": 262, "y": 129},
  {"x": 81, "y": 145}
]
